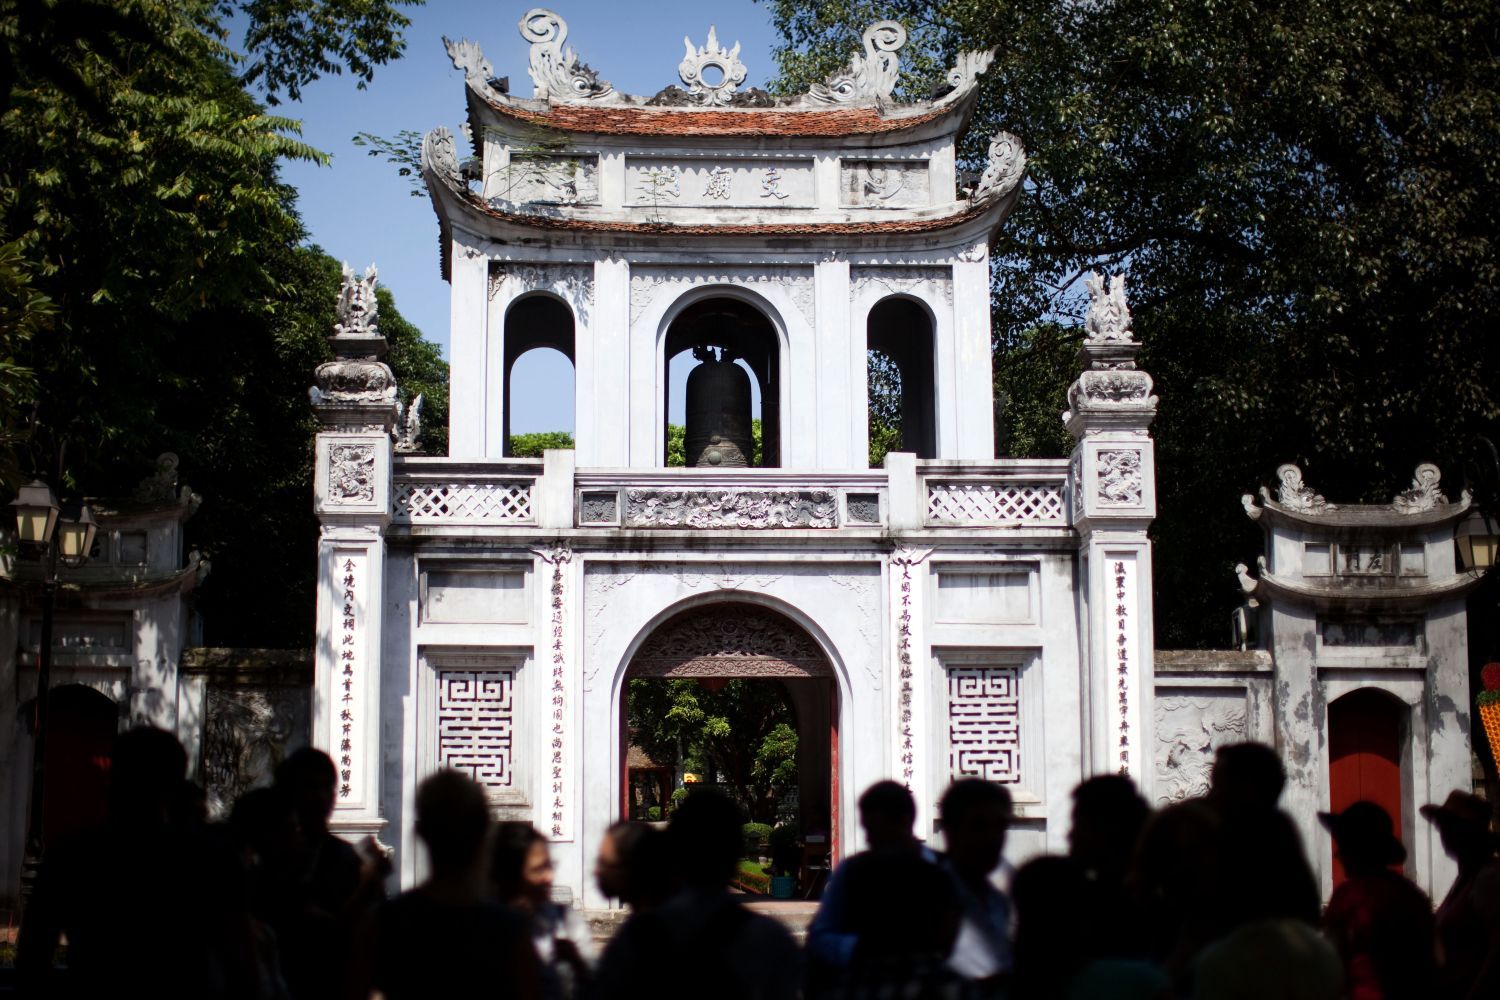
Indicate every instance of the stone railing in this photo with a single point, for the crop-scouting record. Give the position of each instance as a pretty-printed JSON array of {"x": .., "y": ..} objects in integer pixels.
[
  {"x": 906, "y": 495},
  {"x": 441, "y": 491},
  {"x": 1021, "y": 493}
]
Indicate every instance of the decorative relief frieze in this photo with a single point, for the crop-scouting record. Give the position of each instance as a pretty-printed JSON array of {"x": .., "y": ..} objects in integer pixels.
[
  {"x": 795, "y": 282},
  {"x": 599, "y": 507},
  {"x": 546, "y": 179},
  {"x": 1119, "y": 472},
  {"x": 904, "y": 280},
  {"x": 1189, "y": 731},
  {"x": 736, "y": 508},
  {"x": 1075, "y": 480},
  {"x": 572, "y": 282},
  {"x": 733, "y": 640},
  {"x": 737, "y": 182},
  {"x": 884, "y": 184},
  {"x": 351, "y": 474}
]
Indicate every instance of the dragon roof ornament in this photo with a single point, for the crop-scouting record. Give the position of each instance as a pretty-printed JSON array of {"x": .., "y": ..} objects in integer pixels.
[
  {"x": 555, "y": 70},
  {"x": 467, "y": 56},
  {"x": 871, "y": 76},
  {"x": 1004, "y": 169},
  {"x": 1108, "y": 319}
]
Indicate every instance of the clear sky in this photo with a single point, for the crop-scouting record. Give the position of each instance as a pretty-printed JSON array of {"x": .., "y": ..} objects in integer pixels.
[{"x": 360, "y": 210}]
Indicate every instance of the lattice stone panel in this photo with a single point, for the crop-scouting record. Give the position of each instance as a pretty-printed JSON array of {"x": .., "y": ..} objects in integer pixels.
[
  {"x": 995, "y": 503},
  {"x": 464, "y": 503},
  {"x": 475, "y": 724},
  {"x": 984, "y": 723}
]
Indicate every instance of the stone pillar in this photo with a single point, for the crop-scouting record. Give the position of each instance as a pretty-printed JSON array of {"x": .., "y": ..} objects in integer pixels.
[
  {"x": 973, "y": 380},
  {"x": 601, "y": 388},
  {"x": 842, "y": 443},
  {"x": 1113, "y": 489},
  {"x": 911, "y": 684},
  {"x": 355, "y": 402},
  {"x": 470, "y": 379}
]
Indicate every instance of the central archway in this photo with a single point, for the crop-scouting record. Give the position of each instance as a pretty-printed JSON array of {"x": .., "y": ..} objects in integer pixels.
[{"x": 727, "y": 641}]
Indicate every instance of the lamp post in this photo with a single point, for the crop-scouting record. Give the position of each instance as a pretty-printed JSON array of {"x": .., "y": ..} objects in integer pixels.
[{"x": 51, "y": 538}]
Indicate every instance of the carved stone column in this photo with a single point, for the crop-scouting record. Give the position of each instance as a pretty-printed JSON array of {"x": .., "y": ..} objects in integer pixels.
[
  {"x": 911, "y": 681},
  {"x": 1113, "y": 487},
  {"x": 355, "y": 402}
]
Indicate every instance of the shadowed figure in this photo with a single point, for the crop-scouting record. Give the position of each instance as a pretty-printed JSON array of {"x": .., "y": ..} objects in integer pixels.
[
  {"x": 887, "y": 812},
  {"x": 1378, "y": 920},
  {"x": 1264, "y": 909},
  {"x": 138, "y": 886},
  {"x": 702, "y": 942},
  {"x": 329, "y": 886},
  {"x": 448, "y": 936},
  {"x": 633, "y": 865},
  {"x": 1468, "y": 921},
  {"x": 976, "y": 816},
  {"x": 521, "y": 875}
]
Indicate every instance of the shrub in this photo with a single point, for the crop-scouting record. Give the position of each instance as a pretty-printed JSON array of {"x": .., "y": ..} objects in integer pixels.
[
  {"x": 786, "y": 849},
  {"x": 757, "y": 835},
  {"x": 653, "y": 814}
]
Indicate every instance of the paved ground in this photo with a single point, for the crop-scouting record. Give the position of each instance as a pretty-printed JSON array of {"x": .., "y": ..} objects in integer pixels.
[{"x": 796, "y": 914}]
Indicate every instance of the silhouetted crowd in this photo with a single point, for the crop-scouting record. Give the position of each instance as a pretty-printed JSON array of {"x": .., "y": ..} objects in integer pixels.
[{"x": 1208, "y": 898}]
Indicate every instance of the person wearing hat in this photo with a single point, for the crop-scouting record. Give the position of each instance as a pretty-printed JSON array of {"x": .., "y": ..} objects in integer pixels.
[
  {"x": 1468, "y": 922},
  {"x": 1379, "y": 921}
]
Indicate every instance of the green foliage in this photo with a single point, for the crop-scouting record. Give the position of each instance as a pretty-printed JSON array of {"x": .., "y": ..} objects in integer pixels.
[
  {"x": 741, "y": 736},
  {"x": 757, "y": 835},
  {"x": 154, "y": 283},
  {"x": 785, "y": 844},
  {"x": 884, "y": 398},
  {"x": 532, "y": 445},
  {"x": 1301, "y": 195},
  {"x": 751, "y": 877},
  {"x": 1033, "y": 370}
]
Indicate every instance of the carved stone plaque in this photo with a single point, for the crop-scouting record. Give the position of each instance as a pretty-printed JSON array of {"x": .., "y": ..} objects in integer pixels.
[
  {"x": 1189, "y": 731},
  {"x": 718, "y": 183},
  {"x": 884, "y": 184},
  {"x": 735, "y": 508}
]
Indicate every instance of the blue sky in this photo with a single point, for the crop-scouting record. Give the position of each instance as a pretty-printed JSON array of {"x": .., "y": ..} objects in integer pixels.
[{"x": 360, "y": 210}]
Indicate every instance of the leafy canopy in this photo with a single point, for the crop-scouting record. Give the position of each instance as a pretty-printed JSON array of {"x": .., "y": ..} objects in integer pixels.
[{"x": 1300, "y": 193}]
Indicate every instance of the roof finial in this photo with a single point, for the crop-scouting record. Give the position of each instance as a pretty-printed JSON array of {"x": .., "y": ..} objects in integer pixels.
[{"x": 556, "y": 71}]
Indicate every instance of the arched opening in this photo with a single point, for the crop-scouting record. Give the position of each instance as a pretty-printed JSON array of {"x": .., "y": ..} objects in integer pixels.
[
  {"x": 902, "y": 401},
  {"x": 538, "y": 358},
  {"x": 738, "y": 696},
  {"x": 1366, "y": 735},
  {"x": 711, "y": 332},
  {"x": 81, "y": 727}
]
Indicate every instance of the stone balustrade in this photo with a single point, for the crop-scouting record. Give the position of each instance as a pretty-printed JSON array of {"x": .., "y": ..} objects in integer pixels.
[{"x": 906, "y": 495}]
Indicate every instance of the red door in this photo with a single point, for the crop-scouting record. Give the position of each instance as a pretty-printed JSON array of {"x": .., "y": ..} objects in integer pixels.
[
  {"x": 1364, "y": 755},
  {"x": 81, "y": 725}
]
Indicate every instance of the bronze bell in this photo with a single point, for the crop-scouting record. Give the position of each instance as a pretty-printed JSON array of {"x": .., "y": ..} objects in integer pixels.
[{"x": 718, "y": 413}]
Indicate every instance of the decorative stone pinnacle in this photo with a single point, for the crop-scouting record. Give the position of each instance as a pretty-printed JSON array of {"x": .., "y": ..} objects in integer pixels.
[
  {"x": 356, "y": 375},
  {"x": 556, "y": 71},
  {"x": 1293, "y": 494},
  {"x": 1108, "y": 319},
  {"x": 711, "y": 56},
  {"x": 868, "y": 77}
]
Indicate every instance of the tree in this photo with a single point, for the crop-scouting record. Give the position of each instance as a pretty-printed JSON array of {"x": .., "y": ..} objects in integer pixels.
[
  {"x": 532, "y": 445},
  {"x": 1300, "y": 193},
  {"x": 742, "y": 735},
  {"x": 154, "y": 294}
]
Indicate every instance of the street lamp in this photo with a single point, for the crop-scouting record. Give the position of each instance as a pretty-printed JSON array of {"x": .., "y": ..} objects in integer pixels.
[
  {"x": 45, "y": 534},
  {"x": 1477, "y": 540}
]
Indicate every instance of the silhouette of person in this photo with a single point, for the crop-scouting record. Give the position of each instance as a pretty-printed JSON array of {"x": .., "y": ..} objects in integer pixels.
[
  {"x": 448, "y": 936},
  {"x": 1176, "y": 875},
  {"x": 975, "y": 815},
  {"x": 521, "y": 874},
  {"x": 702, "y": 941},
  {"x": 137, "y": 870},
  {"x": 632, "y": 865},
  {"x": 1378, "y": 920},
  {"x": 887, "y": 812},
  {"x": 1468, "y": 921}
]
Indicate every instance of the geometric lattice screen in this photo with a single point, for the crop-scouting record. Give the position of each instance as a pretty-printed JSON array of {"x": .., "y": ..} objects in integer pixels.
[
  {"x": 475, "y": 722},
  {"x": 984, "y": 722}
]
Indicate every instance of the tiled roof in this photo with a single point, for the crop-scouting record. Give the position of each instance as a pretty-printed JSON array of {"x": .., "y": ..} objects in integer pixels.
[{"x": 747, "y": 122}]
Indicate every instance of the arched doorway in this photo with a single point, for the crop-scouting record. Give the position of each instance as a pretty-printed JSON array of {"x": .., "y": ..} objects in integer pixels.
[
  {"x": 728, "y": 646},
  {"x": 81, "y": 727},
  {"x": 538, "y": 328},
  {"x": 899, "y": 357},
  {"x": 745, "y": 336},
  {"x": 1366, "y": 734}
]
